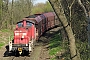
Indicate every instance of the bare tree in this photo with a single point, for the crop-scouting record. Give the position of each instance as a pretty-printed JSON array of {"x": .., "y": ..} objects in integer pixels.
[
  {"x": 5, "y": 14},
  {"x": 1, "y": 11},
  {"x": 87, "y": 14},
  {"x": 12, "y": 14},
  {"x": 57, "y": 6},
  {"x": 29, "y": 2}
]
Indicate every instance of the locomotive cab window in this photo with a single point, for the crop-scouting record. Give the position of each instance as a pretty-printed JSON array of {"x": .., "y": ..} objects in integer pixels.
[
  {"x": 28, "y": 24},
  {"x": 20, "y": 24}
]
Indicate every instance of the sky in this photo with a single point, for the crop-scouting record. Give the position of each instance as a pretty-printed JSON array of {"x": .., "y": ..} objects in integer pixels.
[
  {"x": 37, "y": 1},
  {"x": 40, "y": 1}
]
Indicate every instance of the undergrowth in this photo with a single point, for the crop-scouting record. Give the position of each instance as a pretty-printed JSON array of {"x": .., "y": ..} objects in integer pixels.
[
  {"x": 5, "y": 30},
  {"x": 5, "y": 36},
  {"x": 55, "y": 45},
  {"x": 1, "y": 44}
]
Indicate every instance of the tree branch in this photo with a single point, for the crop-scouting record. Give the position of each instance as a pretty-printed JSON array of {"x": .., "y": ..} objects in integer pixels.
[{"x": 85, "y": 11}]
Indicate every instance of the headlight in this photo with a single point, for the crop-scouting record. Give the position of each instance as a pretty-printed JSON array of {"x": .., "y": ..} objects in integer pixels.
[
  {"x": 16, "y": 33},
  {"x": 24, "y": 34}
]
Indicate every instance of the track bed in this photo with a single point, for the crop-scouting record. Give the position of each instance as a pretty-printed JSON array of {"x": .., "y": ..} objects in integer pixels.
[{"x": 40, "y": 51}]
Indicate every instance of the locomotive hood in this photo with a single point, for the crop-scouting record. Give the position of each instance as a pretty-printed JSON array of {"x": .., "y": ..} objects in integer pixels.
[{"x": 20, "y": 30}]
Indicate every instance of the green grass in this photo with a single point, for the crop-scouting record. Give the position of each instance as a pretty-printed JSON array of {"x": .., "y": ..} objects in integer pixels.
[
  {"x": 0, "y": 34},
  {"x": 11, "y": 37},
  {"x": 7, "y": 31},
  {"x": 7, "y": 34},
  {"x": 1, "y": 44},
  {"x": 55, "y": 45},
  {"x": 53, "y": 51}
]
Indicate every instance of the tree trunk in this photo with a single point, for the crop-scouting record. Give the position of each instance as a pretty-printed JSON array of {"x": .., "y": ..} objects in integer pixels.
[
  {"x": 7, "y": 23},
  {"x": 12, "y": 15},
  {"x": 0, "y": 11},
  {"x": 60, "y": 12},
  {"x": 29, "y": 6}
]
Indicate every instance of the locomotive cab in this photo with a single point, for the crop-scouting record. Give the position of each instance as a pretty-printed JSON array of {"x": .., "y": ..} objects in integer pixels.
[{"x": 24, "y": 36}]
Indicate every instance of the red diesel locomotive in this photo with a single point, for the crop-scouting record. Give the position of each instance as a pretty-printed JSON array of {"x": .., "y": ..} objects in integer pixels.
[{"x": 29, "y": 30}]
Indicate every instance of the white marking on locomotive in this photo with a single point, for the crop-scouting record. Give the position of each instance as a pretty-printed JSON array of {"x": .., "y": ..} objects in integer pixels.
[
  {"x": 31, "y": 45},
  {"x": 22, "y": 36},
  {"x": 35, "y": 33},
  {"x": 26, "y": 44},
  {"x": 10, "y": 45}
]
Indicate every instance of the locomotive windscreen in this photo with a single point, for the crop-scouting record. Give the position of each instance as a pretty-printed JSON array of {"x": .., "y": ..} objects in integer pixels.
[
  {"x": 28, "y": 24},
  {"x": 20, "y": 24}
]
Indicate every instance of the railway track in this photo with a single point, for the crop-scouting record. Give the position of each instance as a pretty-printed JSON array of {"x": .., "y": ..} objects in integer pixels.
[
  {"x": 15, "y": 58},
  {"x": 34, "y": 55},
  {"x": 19, "y": 58}
]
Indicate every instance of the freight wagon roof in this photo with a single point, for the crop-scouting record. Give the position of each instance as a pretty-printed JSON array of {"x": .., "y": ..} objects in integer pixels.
[
  {"x": 49, "y": 14},
  {"x": 42, "y": 16},
  {"x": 38, "y": 19},
  {"x": 31, "y": 16}
]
